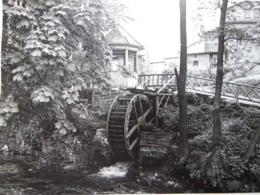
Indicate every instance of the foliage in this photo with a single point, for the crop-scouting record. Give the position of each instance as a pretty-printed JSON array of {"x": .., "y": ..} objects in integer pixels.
[
  {"x": 239, "y": 122},
  {"x": 241, "y": 43},
  {"x": 242, "y": 46},
  {"x": 7, "y": 109},
  {"x": 52, "y": 51}
]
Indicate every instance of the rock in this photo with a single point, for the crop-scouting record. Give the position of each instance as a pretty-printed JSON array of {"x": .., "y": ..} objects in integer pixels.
[
  {"x": 100, "y": 142},
  {"x": 5, "y": 148},
  {"x": 100, "y": 138},
  {"x": 170, "y": 183}
]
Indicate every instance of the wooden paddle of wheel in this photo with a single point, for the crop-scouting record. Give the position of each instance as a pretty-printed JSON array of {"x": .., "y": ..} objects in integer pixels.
[{"x": 126, "y": 117}]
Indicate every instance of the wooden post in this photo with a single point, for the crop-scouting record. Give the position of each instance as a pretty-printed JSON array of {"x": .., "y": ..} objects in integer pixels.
[
  {"x": 237, "y": 94},
  {"x": 126, "y": 58},
  {"x": 137, "y": 63},
  {"x": 156, "y": 110}
]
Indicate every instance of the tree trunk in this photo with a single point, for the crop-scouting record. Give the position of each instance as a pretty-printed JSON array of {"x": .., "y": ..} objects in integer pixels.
[
  {"x": 252, "y": 144},
  {"x": 1, "y": 24},
  {"x": 181, "y": 83},
  {"x": 215, "y": 157},
  {"x": 219, "y": 77}
]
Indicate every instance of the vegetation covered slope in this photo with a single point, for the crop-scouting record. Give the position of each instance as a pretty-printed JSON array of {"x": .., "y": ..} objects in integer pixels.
[{"x": 239, "y": 122}]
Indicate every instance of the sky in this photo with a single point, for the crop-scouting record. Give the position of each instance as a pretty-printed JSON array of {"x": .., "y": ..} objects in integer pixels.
[{"x": 156, "y": 25}]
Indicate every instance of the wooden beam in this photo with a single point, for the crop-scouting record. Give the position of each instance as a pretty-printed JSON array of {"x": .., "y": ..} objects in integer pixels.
[
  {"x": 135, "y": 112},
  {"x": 165, "y": 85},
  {"x": 167, "y": 100},
  {"x": 140, "y": 104},
  {"x": 161, "y": 100},
  {"x": 157, "y": 111},
  {"x": 136, "y": 116},
  {"x": 245, "y": 93},
  {"x": 141, "y": 119},
  {"x": 134, "y": 143}
]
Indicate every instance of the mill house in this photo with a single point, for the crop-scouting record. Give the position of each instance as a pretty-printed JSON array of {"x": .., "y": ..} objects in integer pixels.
[{"x": 124, "y": 67}]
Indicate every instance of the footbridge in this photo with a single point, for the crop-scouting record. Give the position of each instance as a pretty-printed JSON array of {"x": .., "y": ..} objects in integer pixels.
[{"x": 239, "y": 93}]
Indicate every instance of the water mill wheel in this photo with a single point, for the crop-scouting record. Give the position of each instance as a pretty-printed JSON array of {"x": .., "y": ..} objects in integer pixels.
[{"x": 127, "y": 116}]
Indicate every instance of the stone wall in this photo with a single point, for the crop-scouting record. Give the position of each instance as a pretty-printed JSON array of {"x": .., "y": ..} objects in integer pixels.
[{"x": 155, "y": 144}]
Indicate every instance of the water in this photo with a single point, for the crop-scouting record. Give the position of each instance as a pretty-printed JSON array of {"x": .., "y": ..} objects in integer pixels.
[
  {"x": 18, "y": 176},
  {"x": 117, "y": 170}
]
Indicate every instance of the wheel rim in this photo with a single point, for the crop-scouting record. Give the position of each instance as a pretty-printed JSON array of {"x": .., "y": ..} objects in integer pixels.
[{"x": 138, "y": 111}]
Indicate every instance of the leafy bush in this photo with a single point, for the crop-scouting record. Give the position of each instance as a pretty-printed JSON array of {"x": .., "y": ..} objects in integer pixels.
[
  {"x": 238, "y": 124},
  {"x": 52, "y": 51},
  {"x": 7, "y": 109}
]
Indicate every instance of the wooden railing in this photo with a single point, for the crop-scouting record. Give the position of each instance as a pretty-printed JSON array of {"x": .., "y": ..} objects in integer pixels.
[
  {"x": 203, "y": 85},
  {"x": 155, "y": 80}
]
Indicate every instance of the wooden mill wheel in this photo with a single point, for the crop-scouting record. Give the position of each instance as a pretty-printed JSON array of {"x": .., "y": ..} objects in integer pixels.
[{"x": 126, "y": 117}]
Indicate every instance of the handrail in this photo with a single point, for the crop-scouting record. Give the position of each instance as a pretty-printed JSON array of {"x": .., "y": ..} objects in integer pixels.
[
  {"x": 237, "y": 90},
  {"x": 145, "y": 81},
  {"x": 165, "y": 85},
  {"x": 140, "y": 75},
  {"x": 240, "y": 84},
  {"x": 191, "y": 76}
]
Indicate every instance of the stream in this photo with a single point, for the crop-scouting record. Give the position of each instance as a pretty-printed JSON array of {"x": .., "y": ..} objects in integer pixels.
[{"x": 18, "y": 176}]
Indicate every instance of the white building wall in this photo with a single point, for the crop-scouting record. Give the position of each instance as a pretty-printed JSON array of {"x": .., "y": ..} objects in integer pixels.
[
  {"x": 200, "y": 63},
  {"x": 158, "y": 67}
]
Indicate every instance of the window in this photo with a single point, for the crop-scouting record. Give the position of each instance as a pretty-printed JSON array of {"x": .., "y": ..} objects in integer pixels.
[
  {"x": 229, "y": 15},
  {"x": 195, "y": 63},
  {"x": 132, "y": 60},
  {"x": 119, "y": 57},
  {"x": 247, "y": 14},
  {"x": 214, "y": 60},
  {"x": 195, "y": 55},
  {"x": 210, "y": 57},
  {"x": 257, "y": 13}
]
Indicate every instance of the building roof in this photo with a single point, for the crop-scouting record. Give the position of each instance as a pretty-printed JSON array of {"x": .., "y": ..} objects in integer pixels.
[
  {"x": 120, "y": 37},
  {"x": 206, "y": 52}
]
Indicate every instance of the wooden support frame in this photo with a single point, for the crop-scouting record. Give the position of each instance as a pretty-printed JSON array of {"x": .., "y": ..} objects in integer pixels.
[{"x": 156, "y": 107}]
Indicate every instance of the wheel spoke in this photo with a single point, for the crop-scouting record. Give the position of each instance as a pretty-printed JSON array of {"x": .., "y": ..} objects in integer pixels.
[
  {"x": 132, "y": 131},
  {"x": 140, "y": 104},
  {"x": 141, "y": 119},
  {"x": 134, "y": 143},
  {"x": 135, "y": 112}
]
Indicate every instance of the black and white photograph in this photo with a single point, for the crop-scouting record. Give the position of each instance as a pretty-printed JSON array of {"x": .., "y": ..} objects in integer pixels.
[{"x": 129, "y": 97}]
